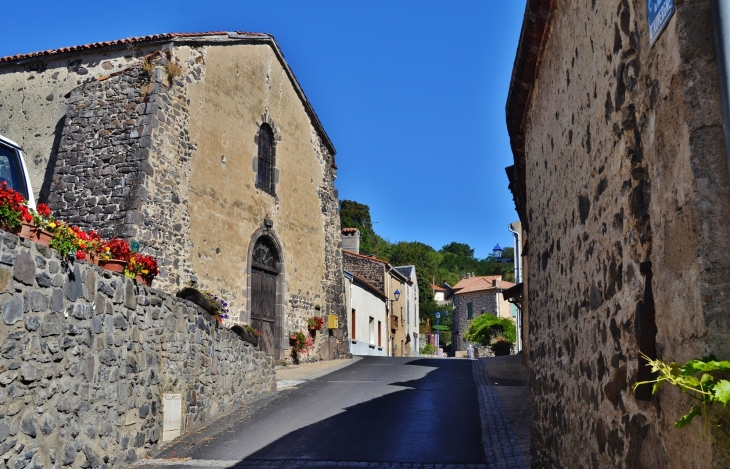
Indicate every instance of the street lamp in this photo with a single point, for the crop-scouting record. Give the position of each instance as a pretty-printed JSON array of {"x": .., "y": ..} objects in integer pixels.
[
  {"x": 497, "y": 252},
  {"x": 396, "y": 294},
  {"x": 438, "y": 317}
]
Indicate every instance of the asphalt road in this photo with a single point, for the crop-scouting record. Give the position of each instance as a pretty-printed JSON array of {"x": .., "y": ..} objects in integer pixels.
[{"x": 379, "y": 412}]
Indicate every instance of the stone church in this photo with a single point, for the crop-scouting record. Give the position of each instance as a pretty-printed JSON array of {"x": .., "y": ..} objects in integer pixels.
[{"x": 205, "y": 150}]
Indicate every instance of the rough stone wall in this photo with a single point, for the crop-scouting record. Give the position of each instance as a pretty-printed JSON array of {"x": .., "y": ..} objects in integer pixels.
[
  {"x": 104, "y": 177},
  {"x": 371, "y": 271},
  {"x": 104, "y": 149},
  {"x": 483, "y": 303},
  {"x": 627, "y": 206},
  {"x": 164, "y": 219},
  {"x": 33, "y": 102},
  {"x": 181, "y": 181},
  {"x": 87, "y": 355},
  {"x": 333, "y": 281}
]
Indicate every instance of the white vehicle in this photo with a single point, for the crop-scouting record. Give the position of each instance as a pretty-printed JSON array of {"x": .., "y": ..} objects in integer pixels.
[{"x": 13, "y": 169}]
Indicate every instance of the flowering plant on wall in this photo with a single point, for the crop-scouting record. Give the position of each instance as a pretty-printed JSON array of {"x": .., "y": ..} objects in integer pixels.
[
  {"x": 315, "y": 323},
  {"x": 64, "y": 239},
  {"x": 42, "y": 216},
  {"x": 116, "y": 248},
  {"x": 252, "y": 331},
  {"x": 141, "y": 264},
  {"x": 301, "y": 342},
  {"x": 220, "y": 306},
  {"x": 87, "y": 243},
  {"x": 13, "y": 209}
]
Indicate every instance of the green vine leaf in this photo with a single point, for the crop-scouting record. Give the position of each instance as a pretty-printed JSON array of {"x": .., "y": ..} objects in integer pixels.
[
  {"x": 687, "y": 419},
  {"x": 723, "y": 365},
  {"x": 722, "y": 391}
]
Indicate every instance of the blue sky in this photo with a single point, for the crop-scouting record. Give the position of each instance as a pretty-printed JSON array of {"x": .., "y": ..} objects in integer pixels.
[{"x": 411, "y": 93}]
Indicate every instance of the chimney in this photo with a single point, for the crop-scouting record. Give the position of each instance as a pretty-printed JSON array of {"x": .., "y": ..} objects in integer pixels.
[
  {"x": 494, "y": 282},
  {"x": 351, "y": 240}
]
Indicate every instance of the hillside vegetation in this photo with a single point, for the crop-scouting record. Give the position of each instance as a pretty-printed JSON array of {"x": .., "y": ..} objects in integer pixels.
[{"x": 448, "y": 264}]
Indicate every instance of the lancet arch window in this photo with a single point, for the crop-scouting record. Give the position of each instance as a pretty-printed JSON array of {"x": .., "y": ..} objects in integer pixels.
[{"x": 266, "y": 159}]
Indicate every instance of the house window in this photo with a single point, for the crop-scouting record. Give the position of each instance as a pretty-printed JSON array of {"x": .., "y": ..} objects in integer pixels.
[
  {"x": 353, "y": 324},
  {"x": 265, "y": 164},
  {"x": 469, "y": 310},
  {"x": 371, "y": 340},
  {"x": 380, "y": 333}
]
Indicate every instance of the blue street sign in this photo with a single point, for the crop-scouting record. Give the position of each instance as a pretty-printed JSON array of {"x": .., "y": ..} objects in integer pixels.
[
  {"x": 438, "y": 315},
  {"x": 659, "y": 14}
]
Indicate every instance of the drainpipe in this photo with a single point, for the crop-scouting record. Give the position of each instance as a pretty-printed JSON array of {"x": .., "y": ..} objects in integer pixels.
[
  {"x": 518, "y": 279},
  {"x": 721, "y": 23},
  {"x": 518, "y": 259}
]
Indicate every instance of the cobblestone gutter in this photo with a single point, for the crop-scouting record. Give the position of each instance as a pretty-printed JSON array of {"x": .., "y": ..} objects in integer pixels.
[{"x": 86, "y": 357}]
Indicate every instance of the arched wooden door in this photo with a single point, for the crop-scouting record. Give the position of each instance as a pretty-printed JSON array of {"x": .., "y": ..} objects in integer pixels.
[{"x": 264, "y": 271}]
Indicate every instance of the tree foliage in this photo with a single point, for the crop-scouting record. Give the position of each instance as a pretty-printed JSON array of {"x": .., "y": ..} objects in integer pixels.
[
  {"x": 357, "y": 215},
  {"x": 486, "y": 328}
]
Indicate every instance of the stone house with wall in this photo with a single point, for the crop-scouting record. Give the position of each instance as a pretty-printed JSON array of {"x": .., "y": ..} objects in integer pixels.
[
  {"x": 620, "y": 181},
  {"x": 472, "y": 297},
  {"x": 204, "y": 149}
]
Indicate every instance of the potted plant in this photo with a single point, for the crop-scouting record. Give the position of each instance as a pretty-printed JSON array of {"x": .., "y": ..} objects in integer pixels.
[
  {"x": 300, "y": 343},
  {"x": 247, "y": 334},
  {"x": 501, "y": 347},
  {"x": 89, "y": 245},
  {"x": 315, "y": 323},
  {"x": 63, "y": 238},
  {"x": 219, "y": 306},
  {"x": 42, "y": 218},
  {"x": 142, "y": 267},
  {"x": 13, "y": 209},
  {"x": 114, "y": 255}
]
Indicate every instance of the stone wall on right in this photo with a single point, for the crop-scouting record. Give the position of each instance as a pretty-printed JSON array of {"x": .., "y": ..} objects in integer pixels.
[{"x": 620, "y": 152}]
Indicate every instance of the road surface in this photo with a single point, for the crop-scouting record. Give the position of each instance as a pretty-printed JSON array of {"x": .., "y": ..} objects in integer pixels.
[{"x": 379, "y": 412}]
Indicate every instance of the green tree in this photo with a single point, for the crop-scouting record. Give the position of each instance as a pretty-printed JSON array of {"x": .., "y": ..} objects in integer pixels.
[
  {"x": 357, "y": 215},
  {"x": 485, "y": 328}
]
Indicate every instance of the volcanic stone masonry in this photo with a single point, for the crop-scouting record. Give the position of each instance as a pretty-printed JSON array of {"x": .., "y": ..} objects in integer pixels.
[
  {"x": 86, "y": 357},
  {"x": 622, "y": 187}
]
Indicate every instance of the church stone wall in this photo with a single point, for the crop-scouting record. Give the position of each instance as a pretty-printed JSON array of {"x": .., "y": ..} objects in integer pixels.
[
  {"x": 33, "y": 100},
  {"x": 169, "y": 160},
  {"x": 627, "y": 199}
]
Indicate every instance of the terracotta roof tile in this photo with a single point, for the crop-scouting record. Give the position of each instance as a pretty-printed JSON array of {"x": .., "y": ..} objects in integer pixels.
[
  {"x": 437, "y": 288},
  {"x": 349, "y": 230},
  {"x": 129, "y": 40},
  {"x": 483, "y": 283}
]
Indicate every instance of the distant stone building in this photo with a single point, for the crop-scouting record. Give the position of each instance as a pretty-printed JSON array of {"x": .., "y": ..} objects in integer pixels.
[
  {"x": 205, "y": 150},
  {"x": 472, "y": 297},
  {"x": 621, "y": 184}
]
